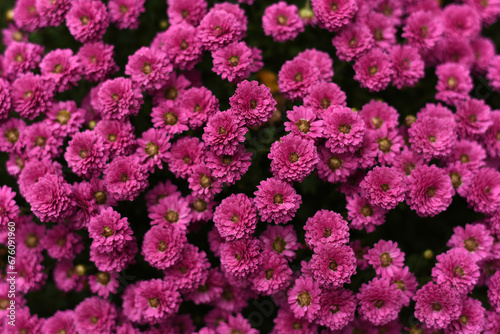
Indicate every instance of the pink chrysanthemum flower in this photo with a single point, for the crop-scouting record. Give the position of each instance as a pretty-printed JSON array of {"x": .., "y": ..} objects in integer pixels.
[
  {"x": 373, "y": 70},
  {"x": 461, "y": 178},
  {"x": 454, "y": 83},
  {"x": 296, "y": 77},
  {"x": 494, "y": 291},
  {"x": 116, "y": 260},
  {"x": 273, "y": 274},
  {"x": 181, "y": 45},
  {"x": 408, "y": 160},
  {"x": 229, "y": 168},
  {"x": 343, "y": 129},
  {"x": 199, "y": 104},
  {"x": 363, "y": 215},
  {"x": 31, "y": 272},
  {"x": 87, "y": 20},
  {"x": 253, "y": 103},
  {"x": 492, "y": 135},
  {"x": 280, "y": 239},
  {"x": 33, "y": 170},
  {"x": 125, "y": 13},
  {"x": 337, "y": 308},
  {"x": 219, "y": 28},
  {"x": 483, "y": 49},
  {"x": 211, "y": 290},
  {"x": 333, "y": 14},
  {"x": 233, "y": 62},
  {"x": 238, "y": 13},
  {"x": 118, "y": 137},
  {"x": 235, "y": 325},
  {"x": 60, "y": 322},
  {"x": 109, "y": 231},
  {"x": 241, "y": 257},
  {"x": 104, "y": 283},
  {"x": 322, "y": 95},
  {"x": 475, "y": 238},
  {"x": 223, "y": 132},
  {"x": 406, "y": 282},
  {"x": 384, "y": 187},
  {"x": 282, "y": 22},
  {"x": 321, "y": 60},
  {"x": 20, "y": 58},
  {"x": 293, "y": 158},
  {"x": 379, "y": 301},
  {"x": 12, "y": 34},
  {"x": 25, "y": 322},
  {"x": 468, "y": 153},
  {"x": 64, "y": 118},
  {"x": 235, "y": 217},
  {"x": 493, "y": 74},
  {"x": 32, "y": 95},
  {"x": 148, "y": 68},
  {"x": 118, "y": 98},
  {"x": 201, "y": 210},
  {"x": 326, "y": 227},
  {"x": 471, "y": 319},
  {"x": 378, "y": 114},
  {"x": 190, "y": 12},
  {"x": 437, "y": 306},
  {"x": 473, "y": 118},
  {"x": 171, "y": 210},
  {"x": 162, "y": 246},
  {"x": 386, "y": 258},
  {"x": 94, "y": 315},
  {"x": 61, "y": 67},
  {"x": 63, "y": 243},
  {"x": 168, "y": 117},
  {"x": 491, "y": 322},
  {"x": 39, "y": 141},
  {"x": 304, "y": 298},
  {"x": 185, "y": 154},
  {"x": 382, "y": 29},
  {"x": 156, "y": 300},
  {"x": 26, "y": 16},
  {"x": 302, "y": 122},
  {"x": 487, "y": 10},
  {"x": 460, "y": 21},
  {"x": 126, "y": 178},
  {"x": 353, "y": 41},
  {"x": 172, "y": 90},
  {"x": 86, "y": 155},
  {"x": 333, "y": 265},
  {"x": 422, "y": 30},
  {"x": 153, "y": 148},
  {"x": 159, "y": 191},
  {"x": 5, "y": 100},
  {"x": 484, "y": 193},
  {"x": 432, "y": 137},
  {"x": 407, "y": 65},
  {"x": 286, "y": 322},
  {"x": 276, "y": 200},
  {"x": 97, "y": 60},
  {"x": 457, "y": 269},
  {"x": 52, "y": 13},
  {"x": 11, "y": 135},
  {"x": 8, "y": 207},
  {"x": 203, "y": 183},
  {"x": 430, "y": 190}
]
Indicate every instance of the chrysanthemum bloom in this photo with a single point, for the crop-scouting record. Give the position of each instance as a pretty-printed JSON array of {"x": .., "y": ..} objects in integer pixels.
[
  {"x": 343, "y": 129},
  {"x": 286, "y": 322},
  {"x": 97, "y": 61},
  {"x": 353, "y": 41},
  {"x": 276, "y": 200},
  {"x": 373, "y": 70},
  {"x": 237, "y": 11},
  {"x": 233, "y": 62},
  {"x": 201, "y": 210},
  {"x": 436, "y": 305},
  {"x": 280, "y": 239},
  {"x": 382, "y": 29},
  {"x": 32, "y": 95},
  {"x": 484, "y": 193},
  {"x": 26, "y": 16},
  {"x": 457, "y": 269},
  {"x": 273, "y": 275},
  {"x": 87, "y": 20},
  {"x": 86, "y": 154},
  {"x": 186, "y": 153},
  {"x": 118, "y": 98},
  {"x": 492, "y": 134},
  {"x": 8, "y": 207},
  {"x": 172, "y": 209},
  {"x": 378, "y": 114},
  {"x": 168, "y": 117},
  {"x": 379, "y": 301},
  {"x": 156, "y": 300},
  {"x": 282, "y": 22},
  {"x": 109, "y": 231},
  {"x": 15, "y": 163},
  {"x": 229, "y": 168},
  {"x": 432, "y": 137},
  {"x": 159, "y": 191},
  {"x": 304, "y": 298},
  {"x": 31, "y": 237},
  {"x": 407, "y": 160},
  {"x": 337, "y": 308},
  {"x": 302, "y": 121},
  {"x": 241, "y": 257},
  {"x": 326, "y": 227},
  {"x": 190, "y": 12},
  {"x": 118, "y": 136},
  {"x": 153, "y": 148},
  {"x": 12, "y": 34},
  {"x": 471, "y": 319},
  {"x": 95, "y": 315},
  {"x": 39, "y": 141},
  {"x": 65, "y": 118},
  {"x": 223, "y": 132},
  {"x": 126, "y": 178},
  {"x": 252, "y": 103},
  {"x": 62, "y": 68},
  {"x": 452, "y": 50},
  {"x": 385, "y": 257},
  {"x": 494, "y": 291},
  {"x": 236, "y": 324},
  {"x": 116, "y": 260},
  {"x": 50, "y": 198},
  {"x": 475, "y": 238},
  {"x": 60, "y": 322},
  {"x": 333, "y": 14},
  {"x": 422, "y": 30},
  {"x": 20, "y": 58},
  {"x": 296, "y": 77},
  {"x": 322, "y": 95},
  {"x": 362, "y": 214},
  {"x": 104, "y": 283},
  {"x": 52, "y": 13},
  {"x": 199, "y": 104},
  {"x": 203, "y": 183},
  {"x": 494, "y": 73},
  {"x": 333, "y": 265},
  {"x": 235, "y": 217},
  {"x": 24, "y": 322},
  {"x": 407, "y": 65},
  {"x": 473, "y": 118},
  {"x": 210, "y": 290},
  {"x": 454, "y": 83},
  {"x": 63, "y": 243},
  {"x": 219, "y": 28},
  {"x": 34, "y": 169},
  {"x": 191, "y": 271},
  {"x": 460, "y": 21},
  {"x": 125, "y": 13},
  {"x": 430, "y": 190},
  {"x": 461, "y": 178},
  {"x": 406, "y": 282},
  {"x": 293, "y": 158},
  {"x": 384, "y": 187},
  {"x": 148, "y": 68},
  {"x": 5, "y": 99},
  {"x": 488, "y": 11},
  {"x": 31, "y": 275},
  {"x": 181, "y": 45},
  {"x": 468, "y": 153},
  {"x": 483, "y": 49},
  {"x": 321, "y": 60}
]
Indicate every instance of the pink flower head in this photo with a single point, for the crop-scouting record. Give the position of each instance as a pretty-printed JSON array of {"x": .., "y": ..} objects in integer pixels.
[
  {"x": 198, "y": 103},
  {"x": 293, "y": 158},
  {"x": 378, "y": 114},
  {"x": 483, "y": 49},
  {"x": 202, "y": 182},
  {"x": 157, "y": 300},
  {"x": 282, "y": 22},
  {"x": 190, "y": 12},
  {"x": 97, "y": 61},
  {"x": 168, "y": 117},
  {"x": 219, "y": 28},
  {"x": 273, "y": 275},
  {"x": 379, "y": 301},
  {"x": 63, "y": 243},
  {"x": 303, "y": 122},
  {"x": 118, "y": 99},
  {"x": 117, "y": 259},
  {"x": 201, "y": 210},
  {"x": 422, "y": 30},
  {"x": 343, "y": 129},
  {"x": 185, "y": 154},
  {"x": 21, "y": 57},
  {"x": 286, "y": 322},
  {"x": 11, "y": 132},
  {"x": 296, "y": 77},
  {"x": 181, "y": 45},
  {"x": 475, "y": 238},
  {"x": 236, "y": 324},
  {"x": 430, "y": 190},
  {"x": 456, "y": 268},
  {"x": 406, "y": 282},
  {"x": 452, "y": 50},
  {"x": 125, "y": 178},
  {"x": 484, "y": 193},
  {"x": 468, "y": 153},
  {"x": 304, "y": 298},
  {"x": 461, "y": 178},
  {"x": 153, "y": 148},
  {"x": 109, "y": 231},
  {"x": 436, "y": 305},
  {"x": 407, "y": 65},
  {"x": 337, "y": 308},
  {"x": 494, "y": 292},
  {"x": 233, "y": 62},
  {"x": 39, "y": 141},
  {"x": 223, "y": 132},
  {"x": 118, "y": 136},
  {"x": 33, "y": 170},
  {"x": 64, "y": 118},
  {"x": 454, "y": 83},
  {"x": 125, "y": 13},
  {"x": 211, "y": 290},
  {"x": 104, "y": 283},
  {"x": 171, "y": 210},
  {"x": 386, "y": 258},
  {"x": 241, "y": 257},
  {"x": 280, "y": 239},
  {"x": 382, "y": 29},
  {"x": 61, "y": 67},
  {"x": 26, "y": 16},
  {"x": 191, "y": 271},
  {"x": 353, "y": 41},
  {"x": 333, "y": 265},
  {"x": 5, "y": 100},
  {"x": 471, "y": 319},
  {"x": 432, "y": 137},
  {"x": 25, "y": 321},
  {"x": 87, "y": 20},
  {"x": 322, "y": 95},
  {"x": 32, "y": 95},
  {"x": 363, "y": 215},
  {"x": 61, "y": 321},
  {"x": 373, "y": 70},
  {"x": 461, "y": 21},
  {"x": 321, "y": 60},
  {"x": 487, "y": 10},
  {"x": 384, "y": 187},
  {"x": 148, "y": 68},
  {"x": 86, "y": 154},
  {"x": 333, "y": 14},
  {"x": 493, "y": 73},
  {"x": 94, "y": 315},
  {"x": 492, "y": 134},
  {"x": 473, "y": 118},
  {"x": 326, "y": 227},
  {"x": 252, "y": 103},
  {"x": 276, "y": 200},
  {"x": 8, "y": 207},
  {"x": 12, "y": 34},
  {"x": 235, "y": 217},
  {"x": 229, "y": 168}
]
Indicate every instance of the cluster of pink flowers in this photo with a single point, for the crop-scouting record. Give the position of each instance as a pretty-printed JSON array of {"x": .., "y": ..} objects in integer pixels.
[{"x": 380, "y": 162}]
